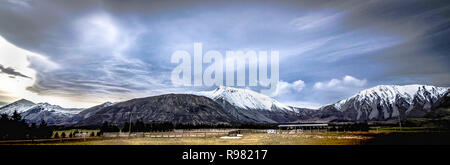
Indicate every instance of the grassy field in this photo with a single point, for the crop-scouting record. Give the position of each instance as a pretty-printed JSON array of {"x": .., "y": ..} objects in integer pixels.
[
  {"x": 318, "y": 138},
  {"x": 376, "y": 135}
]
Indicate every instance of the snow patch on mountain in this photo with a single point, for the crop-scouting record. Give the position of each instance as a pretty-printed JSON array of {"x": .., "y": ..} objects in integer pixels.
[
  {"x": 245, "y": 98},
  {"x": 19, "y": 106},
  {"x": 57, "y": 109},
  {"x": 387, "y": 94},
  {"x": 32, "y": 112}
]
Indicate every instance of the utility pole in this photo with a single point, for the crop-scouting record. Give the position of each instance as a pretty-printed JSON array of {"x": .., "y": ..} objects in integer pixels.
[
  {"x": 399, "y": 120},
  {"x": 129, "y": 127}
]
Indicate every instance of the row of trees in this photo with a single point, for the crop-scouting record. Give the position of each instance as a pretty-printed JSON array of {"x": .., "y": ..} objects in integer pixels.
[
  {"x": 363, "y": 126},
  {"x": 15, "y": 127},
  {"x": 140, "y": 126},
  {"x": 106, "y": 127},
  {"x": 188, "y": 126},
  {"x": 72, "y": 134}
]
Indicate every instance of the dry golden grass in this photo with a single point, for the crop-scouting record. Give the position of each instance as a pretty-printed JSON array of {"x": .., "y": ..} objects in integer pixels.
[{"x": 315, "y": 138}]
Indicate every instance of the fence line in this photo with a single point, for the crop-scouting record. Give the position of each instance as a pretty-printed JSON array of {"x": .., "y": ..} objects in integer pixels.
[
  {"x": 172, "y": 134},
  {"x": 178, "y": 133}
]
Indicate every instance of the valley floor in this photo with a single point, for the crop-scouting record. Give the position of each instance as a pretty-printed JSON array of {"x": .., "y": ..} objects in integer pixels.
[
  {"x": 247, "y": 139},
  {"x": 307, "y": 138}
]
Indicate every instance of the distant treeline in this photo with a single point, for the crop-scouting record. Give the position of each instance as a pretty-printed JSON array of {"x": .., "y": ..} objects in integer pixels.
[
  {"x": 15, "y": 127},
  {"x": 140, "y": 126},
  {"x": 362, "y": 126},
  {"x": 441, "y": 124},
  {"x": 437, "y": 120},
  {"x": 237, "y": 126}
]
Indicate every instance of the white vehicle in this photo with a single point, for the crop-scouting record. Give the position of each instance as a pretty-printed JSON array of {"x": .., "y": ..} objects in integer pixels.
[{"x": 271, "y": 131}]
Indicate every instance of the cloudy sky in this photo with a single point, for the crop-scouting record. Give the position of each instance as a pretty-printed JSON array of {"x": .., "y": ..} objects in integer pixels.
[{"x": 82, "y": 53}]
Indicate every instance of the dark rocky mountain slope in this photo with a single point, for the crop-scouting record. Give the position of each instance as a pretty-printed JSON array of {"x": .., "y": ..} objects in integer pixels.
[{"x": 176, "y": 108}]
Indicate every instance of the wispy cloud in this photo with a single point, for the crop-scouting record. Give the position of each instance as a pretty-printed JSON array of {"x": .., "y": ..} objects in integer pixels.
[
  {"x": 347, "y": 83},
  {"x": 315, "y": 21},
  {"x": 11, "y": 71}
]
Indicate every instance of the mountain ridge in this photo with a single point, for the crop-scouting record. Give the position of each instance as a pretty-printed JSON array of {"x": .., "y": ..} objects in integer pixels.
[
  {"x": 378, "y": 103},
  {"x": 249, "y": 106},
  {"x": 176, "y": 108},
  {"x": 245, "y": 98},
  {"x": 384, "y": 102},
  {"x": 34, "y": 113}
]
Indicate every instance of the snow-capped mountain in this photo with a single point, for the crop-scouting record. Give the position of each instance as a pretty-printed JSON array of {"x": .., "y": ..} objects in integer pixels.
[
  {"x": 385, "y": 102},
  {"x": 229, "y": 105},
  {"x": 19, "y": 106},
  {"x": 91, "y": 111},
  {"x": 87, "y": 113},
  {"x": 245, "y": 98},
  {"x": 250, "y": 106},
  {"x": 34, "y": 113}
]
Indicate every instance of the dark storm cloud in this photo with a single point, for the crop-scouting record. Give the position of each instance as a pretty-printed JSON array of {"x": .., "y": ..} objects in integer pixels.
[
  {"x": 11, "y": 72},
  {"x": 47, "y": 27},
  {"x": 113, "y": 47},
  {"x": 423, "y": 57},
  {"x": 418, "y": 61},
  {"x": 419, "y": 56}
]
